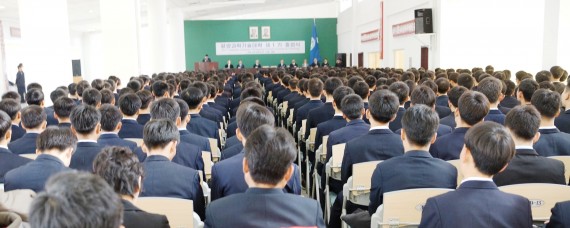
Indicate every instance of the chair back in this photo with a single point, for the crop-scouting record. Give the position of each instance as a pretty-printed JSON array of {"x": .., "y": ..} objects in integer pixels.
[
  {"x": 139, "y": 142},
  {"x": 405, "y": 207},
  {"x": 542, "y": 197},
  {"x": 178, "y": 211},
  {"x": 459, "y": 173},
  {"x": 566, "y": 161},
  {"x": 206, "y": 156},
  {"x": 30, "y": 156}
]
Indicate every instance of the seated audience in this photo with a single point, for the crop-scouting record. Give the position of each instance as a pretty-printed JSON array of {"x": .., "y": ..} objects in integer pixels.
[
  {"x": 110, "y": 126},
  {"x": 552, "y": 142},
  {"x": 62, "y": 109},
  {"x": 402, "y": 91},
  {"x": 198, "y": 125},
  {"x": 454, "y": 94},
  {"x": 527, "y": 166},
  {"x": 85, "y": 124},
  {"x": 107, "y": 97},
  {"x": 491, "y": 88},
  {"x": 510, "y": 101},
  {"x": 526, "y": 89},
  {"x": 123, "y": 172},
  {"x": 92, "y": 97},
  {"x": 55, "y": 147},
  {"x": 488, "y": 149},
  {"x": 424, "y": 95},
  {"x": 559, "y": 218},
  {"x": 442, "y": 89},
  {"x": 12, "y": 108},
  {"x": 267, "y": 168},
  {"x": 325, "y": 112},
  {"x": 144, "y": 113},
  {"x": 76, "y": 199},
  {"x": 8, "y": 160},
  {"x": 34, "y": 122},
  {"x": 130, "y": 104}
]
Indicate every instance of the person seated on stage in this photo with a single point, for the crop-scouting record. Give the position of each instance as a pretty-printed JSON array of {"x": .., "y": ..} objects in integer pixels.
[
  {"x": 85, "y": 123},
  {"x": 8, "y": 160},
  {"x": 473, "y": 107},
  {"x": 281, "y": 64},
  {"x": 55, "y": 148},
  {"x": 528, "y": 166},
  {"x": 491, "y": 88},
  {"x": 325, "y": 63},
  {"x": 34, "y": 122},
  {"x": 62, "y": 110},
  {"x": 76, "y": 199},
  {"x": 121, "y": 169},
  {"x": 489, "y": 148},
  {"x": 240, "y": 65},
  {"x": 305, "y": 64},
  {"x": 267, "y": 166},
  {"x": 293, "y": 64},
  {"x": 12, "y": 107},
  {"x": 257, "y": 65},
  {"x": 206, "y": 58},
  {"x": 552, "y": 142},
  {"x": 229, "y": 65},
  {"x": 315, "y": 63},
  {"x": 110, "y": 127},
  {"x": 130, "y": 105}
]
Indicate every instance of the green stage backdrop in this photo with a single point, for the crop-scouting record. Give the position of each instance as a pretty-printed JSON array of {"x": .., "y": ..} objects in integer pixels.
[{"x": 200, "y": 38}]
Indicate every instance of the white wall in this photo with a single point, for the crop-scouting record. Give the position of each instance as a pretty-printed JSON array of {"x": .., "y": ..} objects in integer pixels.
[{"x": 321, "y": 10}]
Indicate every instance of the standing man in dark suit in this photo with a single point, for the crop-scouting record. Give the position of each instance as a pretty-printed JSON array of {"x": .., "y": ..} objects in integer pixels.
[
  {"x": 528, "y": 166},
  {"x": 8, "y": 160},
  {"x": 123, "y": 172},
  {"x": 55, "y": 147},
  {"x": 416, "y": 168},
  {"x": 473, "y": 107},
  {"x": 110, "y": 127},
  {"x": 403, "y": 92},
  {"x": 454, "y": 95},
  {"x": 85, "y": 123},
  {"x": 206, "y": 59},
  {"x": 552, "y": 142},
  {"x": 130, "y": 104},
  {"x": 12, "y": 108},
  {"x": 267, "y": 167},
  {"x": 488, "y": 149},
  {"x": 34, "y": 122},
  {"x": 21, "y": 82},
  {"x": 491, "y": 88},
  {"x": 164, "y": 178}
]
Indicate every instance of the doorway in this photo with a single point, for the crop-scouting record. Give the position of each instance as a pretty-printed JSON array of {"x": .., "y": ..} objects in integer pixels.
[{"x": 399, "y": 59}]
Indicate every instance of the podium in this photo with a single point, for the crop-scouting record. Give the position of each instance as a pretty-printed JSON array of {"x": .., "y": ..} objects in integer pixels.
[{"x": 205, "y": 66}]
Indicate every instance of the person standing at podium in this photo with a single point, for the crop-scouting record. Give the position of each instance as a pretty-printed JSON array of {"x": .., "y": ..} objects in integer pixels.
[
  {"x": 229, "y": 65},
  {"x": 257, "y": 65},
  {"x": 206, "y": 59},
  {"x": 240, "y": 65}
]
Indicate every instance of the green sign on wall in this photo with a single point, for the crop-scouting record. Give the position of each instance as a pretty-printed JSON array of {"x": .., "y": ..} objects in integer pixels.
[{"x": 200, "y": 38}]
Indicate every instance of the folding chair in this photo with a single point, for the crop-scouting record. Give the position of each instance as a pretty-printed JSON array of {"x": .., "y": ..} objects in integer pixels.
[
  {"x": 30, "y": 156},
  {"x": 332, "y": 169},
  {"x": 291, "y": 118},
  {"x": 207, "y": 157},
  {"x": 566, "y": 161},
  {"x": 215, "y": 150},
  {"x": 404, "y": 207},
  {"x": 542, "y": 197},
  {"x": 310, "y": 146},
  {"x": 357, "y": 188},
  {"x": 459, "y": 173},
  {"x": 320, "y": 154},
  {"x": 139, "y": 142},
  {"x": 301, "y": 138},
  {"x": 176, "y": 210}
]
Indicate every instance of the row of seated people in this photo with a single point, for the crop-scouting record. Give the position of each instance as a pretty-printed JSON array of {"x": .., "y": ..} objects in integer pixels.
[{"x": 342, "y": 121}]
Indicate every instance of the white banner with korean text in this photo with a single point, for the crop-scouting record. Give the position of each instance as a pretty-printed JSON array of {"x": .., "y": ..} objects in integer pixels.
[{"x": 260, "y": 47}]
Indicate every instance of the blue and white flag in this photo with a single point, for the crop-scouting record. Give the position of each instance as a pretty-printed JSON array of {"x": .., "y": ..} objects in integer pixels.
[{"x": 314, "y": 51}]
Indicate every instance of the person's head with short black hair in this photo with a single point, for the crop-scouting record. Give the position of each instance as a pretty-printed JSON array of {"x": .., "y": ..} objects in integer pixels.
[
  {"x": 250, "y": 116},
  {"x": 523, "y": 122},
  {"x": 510, "y": 88},
  {"x": 382, "y": 106},
  {"x": 76, "y": 199},
  {"x": 72, "y": 88},
  {"x": 454, "y": 94},
  {"x": 135, "y": 85},
  {"x": 12, "y": 108},
  {"x": 85, "y": 121},
  {"x": 489, "y": 69},
  {"x": 111, "y": 118},
  {"x": 465, "y": 80},
  {"x": 160, "y": 136},
  {"x": 423, "y": 95},
  {"x": 35, "y": 97},
  {"x": 371, "y": 82},
  {"x": 473, "y": 107},
  {"x": 107, "y": 97},
  {"x": 121, "y": 169},
  {"x": 442, "y": 85},
  {"x": 56, "y": 94},
  {"x": 34, "y": 118},
  {"x": 11, "y": 95},
  {"x": 146, "y": 98},
  {"x": 543, "y": 76},
  {"x": 315, "y": 88},
  {"x": 361, "y": 89},
  {"x": 34, "y": 85},
  {"x": 419, "y": 127},
  {"x": 184, "y": 117},
  {"x": 401, "y": 90},
  {"x": 546, "y": 85},
  {"x": 62, "y": 108},
  {"x": 491, "y": 88},
  {"x": 92, "y": 97},
  {"x": 193, "y": 98},
  {"x": 547, "y": 103},
  {"x": 339, "y": 94},
  {"x": 58, "y": 142},
  {"x": 250, "y": 92},
  {"x": 489, "y": 147},
  {"x": 352, "y": 107},
  {"x": 165, "y": 108},
  {"x": 130, "y": 104},
  {"x": 526, "y": 89},
  {"x": 82, "y": 86},
  {"x": 5, "y": 128},
  {"x": 556, "y": 72},
  {"x": 160, "y": 89},
  {"x": 269, "y": 156},
  {"x": 98, "y": 84},
  {"x": 559, "y": 87}
]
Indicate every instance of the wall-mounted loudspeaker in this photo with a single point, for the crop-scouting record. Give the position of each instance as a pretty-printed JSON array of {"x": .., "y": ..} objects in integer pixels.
[{"x": 424, "y": 21}]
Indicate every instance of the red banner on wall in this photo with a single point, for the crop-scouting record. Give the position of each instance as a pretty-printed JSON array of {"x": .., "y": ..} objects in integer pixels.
[{"x": 404, "y": 28}]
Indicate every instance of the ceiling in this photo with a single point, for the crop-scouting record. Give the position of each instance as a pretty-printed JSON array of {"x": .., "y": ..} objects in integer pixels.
[{"x": 84, "y": 15}]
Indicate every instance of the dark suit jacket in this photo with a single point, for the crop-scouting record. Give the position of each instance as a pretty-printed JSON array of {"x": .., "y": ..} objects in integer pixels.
[
  {"x": 202, "y": 126},
  {"x": 84, "y": 156},
  {"x": 34, "y": 174},
  {"x": 259, "y": 207},
  {"x": 552, "y": 142},
  {"x": 51, "y": 120},
  {"x": 317, "y": 116},
  {"x": 510, "y": 102},
  {"x": 231, "y": 151},
  {"x": 448, "y": 147},
  {"x": 164, "y": 178},
  {"x": 292, "y": 65},
  {"x": 231, "y": 141},
  {"x": 190, "y": 138},
  {"x": 10, "y": 161},
  {"x": 64, "y": 125},
  {"x": 25, "y": 145},
  {"x": 442, "y": 111},
  {"x": 496, "y": 116},
  {"x": 228, "y": 179},
  {"x": 415, "y": 169},
  {"x": 131, "y": 129},
  {"x": 504, "y": 110},
  {"x": 304, "y": 111},
  {"x": 477, "y": 204},
  {"x": 21, "y": 84},
  {"x": 449, "y": 121},
  {"x": 134, "y": 217},
  {"x": 240, "y": 66},
  {"x": 142, "y": 119},
  {"x": 397, "y": 123},
  {"x": 378, "y": 144},
  {"x": 562, "y": 122},
  {"x": 231, "y": 129},
  {"x": 114, "y": 140},
  {"x": 189, "y": 155},
  {"x": 17, "y": 132},
  {"x": 325, "y": 128},
  {"x": 528, "y": 167},
  {"x": 559, "y": 217},
  {"x": 230, "y": 66},
  {"x": 256, "y": 66},
  {"x": 441, "y": 130},
  {"x": 208, "y": 114},
  {"x": 442, "y": 101}
]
